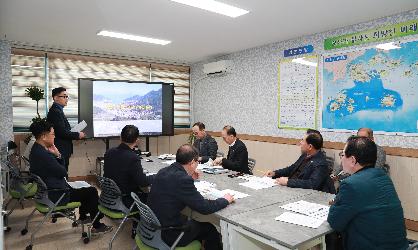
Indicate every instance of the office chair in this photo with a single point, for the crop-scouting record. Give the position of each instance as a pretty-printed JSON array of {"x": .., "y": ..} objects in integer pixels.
[
  {"x": 413, "y": 245},
  {"x": 149, "y": 230},
  {"x": 330, "y": 162},
  {"x": 111, "y": 205},
  {"x": 251, "y": 164},
  {"x": 20, "y": 188},
  {"x": 386, "y": 167},
  {"x": 50, "y": 209}
]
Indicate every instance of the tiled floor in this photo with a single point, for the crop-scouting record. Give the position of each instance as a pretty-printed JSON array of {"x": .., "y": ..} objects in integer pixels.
[{"x": 61, "y": 235}]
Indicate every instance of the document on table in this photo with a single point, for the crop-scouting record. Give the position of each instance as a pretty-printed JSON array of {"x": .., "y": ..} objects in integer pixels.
[
  {"x": 299, "y": 219},
  {"x": 167, "y": 157},
  {"x": 310, "y": 209},
  {"x": 169, "y": 162},
  {"x": 257, "y": 183},
  {"x": 78, "y": 184},
  {"x": 79, "y": 127},
  {"x": 208, "y": 190}
]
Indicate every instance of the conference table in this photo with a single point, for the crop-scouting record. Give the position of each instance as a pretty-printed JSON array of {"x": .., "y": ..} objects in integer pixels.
[{"x": 249, "y": 223}]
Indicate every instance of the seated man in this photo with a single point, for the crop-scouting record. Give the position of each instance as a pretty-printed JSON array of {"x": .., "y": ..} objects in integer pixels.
[
  {"x": 123, "y": 165},
  {"x": 46, "y": 162},
  {"x": 173, "y": 189},
  {"x": 367, "y": 210},
  {"x": 237, "y": 158},
  {"x": 381, "y": 156},
  {"x": 311, "y": 170},
  {"x": 204, "y": 143}
]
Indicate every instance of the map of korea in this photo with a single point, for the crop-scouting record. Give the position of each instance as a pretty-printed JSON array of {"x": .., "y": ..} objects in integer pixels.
[{"x": 365, "y": 95}]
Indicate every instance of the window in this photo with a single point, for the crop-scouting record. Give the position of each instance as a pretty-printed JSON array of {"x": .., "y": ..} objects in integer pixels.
[
  {"x": 180, "y": 76},
  {"x": 28, "y": 69}
]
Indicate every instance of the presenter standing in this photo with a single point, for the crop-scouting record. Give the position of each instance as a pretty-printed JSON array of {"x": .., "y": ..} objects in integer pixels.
[{"x": 63, "y": 135}]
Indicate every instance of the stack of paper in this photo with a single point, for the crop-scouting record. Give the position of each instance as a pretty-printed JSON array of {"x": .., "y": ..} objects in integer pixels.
[
  {"x": 257, "y": 183},
  {"x": 78, "y": 184},
  {"x": 169, "y": 162},
  {"x": 310, "y": 209},
  {"x": 299, "y": 219},
  {"x": 209, "y": 191},
  {"x": 307, "y": 214},
  {"x": 167, "y": 157}
]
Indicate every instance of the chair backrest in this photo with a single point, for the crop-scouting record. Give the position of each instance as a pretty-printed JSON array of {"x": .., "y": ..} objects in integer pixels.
[
  {"x": 220, "y": 154},
  {"x": 330, "y": 163},
  {"x": 148, "y": 226},
  {"x": 251, "y": 164},
  {"x": 111, "y": 196},
  {"x": 413, "y": 246},
  {"x": 15, "y": 175},
  {"x": 41, "y": 195}
]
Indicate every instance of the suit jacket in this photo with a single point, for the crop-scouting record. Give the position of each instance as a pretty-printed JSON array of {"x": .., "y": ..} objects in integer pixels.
[
  {"x": 207, "y": 148},
  {"x": 315, "y": 175},
  {"x": 173, "y": 190},
  {"x": 123, "y": 165},
  {"x": 368, "y": 212},
  {"x": 63, "y": 135},
  {"x": 237, "y": 159},
  {"x": 50, "y": 169}
]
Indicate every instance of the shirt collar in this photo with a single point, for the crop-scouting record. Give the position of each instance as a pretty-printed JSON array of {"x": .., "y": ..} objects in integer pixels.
[
  {"x": 59, "y": 106},
  {"x": 232, "y": 144}
]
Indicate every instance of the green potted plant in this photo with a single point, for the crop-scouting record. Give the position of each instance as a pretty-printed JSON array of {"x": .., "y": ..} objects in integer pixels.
[{"x": 36, "y": 94}]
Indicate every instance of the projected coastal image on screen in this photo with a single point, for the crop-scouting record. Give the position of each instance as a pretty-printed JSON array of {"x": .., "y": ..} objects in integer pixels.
[{"x": 116, "y": 104}]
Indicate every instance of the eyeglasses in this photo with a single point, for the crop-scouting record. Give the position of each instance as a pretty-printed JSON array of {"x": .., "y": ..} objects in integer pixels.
[
  {"x": 64, "y": 96},
  {"x": 341, "y": 154}
]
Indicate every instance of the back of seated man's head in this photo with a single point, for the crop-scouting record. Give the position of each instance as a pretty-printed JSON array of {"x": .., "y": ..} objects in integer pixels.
[
  {"x": 40, "y": 128},
  {"x": 314, "y": 138},
  {"x": 365, "y": 132},
  {"x": 363, "y": 149},
  {"x": 129, "y": 134},
  {"x": 186, "y": 153}
]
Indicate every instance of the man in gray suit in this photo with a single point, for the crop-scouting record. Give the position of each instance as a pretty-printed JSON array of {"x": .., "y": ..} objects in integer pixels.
[
  {"x": 205, "y": 144},
  {"x": 381, "y": 155}
]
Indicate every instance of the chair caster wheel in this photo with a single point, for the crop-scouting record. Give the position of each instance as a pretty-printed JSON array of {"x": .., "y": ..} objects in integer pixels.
[
  {"x": 86, "y": 240},
  {"x": 7, "y": 229},
  {"x": 29, "y": 247},
  {"x": 75, "y": 224},
  {"x": 24, "y": 231},
  {"x": 54, "y": 220},
  {"x": 84, "y": 235}
]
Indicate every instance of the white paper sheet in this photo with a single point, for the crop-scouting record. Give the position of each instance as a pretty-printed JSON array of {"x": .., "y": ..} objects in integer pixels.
[
  {"x": 300, "y": 219},
  {"x": 169, "y": 162},
  {"x": 78, "y": 184},
  {"x": 310, "y": 209},
  {"x": 257, "y": 183},
  {"x": 79, "y": 127}
]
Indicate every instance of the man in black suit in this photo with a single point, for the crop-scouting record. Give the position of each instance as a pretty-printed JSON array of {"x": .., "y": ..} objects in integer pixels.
[
  {"x": 123, "y": 165},
  {"x": 204, "y": 143},
  {"x": 56, "y": 116},
  {"x": 237, "y": 158},
  {"x": 173, "y": 189},
  {"x": 311, "y": 170},
  {"x": 46, "y": 162}
]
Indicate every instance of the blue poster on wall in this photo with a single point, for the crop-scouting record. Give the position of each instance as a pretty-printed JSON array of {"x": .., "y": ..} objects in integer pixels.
[
  {"x": 298, "y": 51},
  {"x": 373, "y": 88}
]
